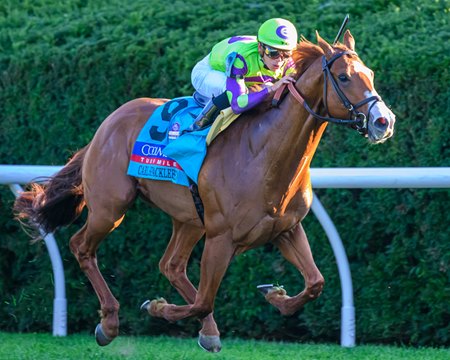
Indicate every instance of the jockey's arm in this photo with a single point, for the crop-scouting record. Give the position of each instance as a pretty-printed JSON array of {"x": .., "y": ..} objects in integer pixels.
[{"x": 239, "y": 96}]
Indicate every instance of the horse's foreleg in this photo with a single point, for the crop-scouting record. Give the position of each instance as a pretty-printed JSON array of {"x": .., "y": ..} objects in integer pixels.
[
  {"x": 173, "y": 265},
  {"x": 84, "y": 245},
  {"x": 216, "y": 257},
  {"x": 295, "y": 248}
]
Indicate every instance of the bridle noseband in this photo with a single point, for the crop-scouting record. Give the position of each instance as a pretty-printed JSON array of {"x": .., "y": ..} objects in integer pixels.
[{"x": 357, "y": 119}]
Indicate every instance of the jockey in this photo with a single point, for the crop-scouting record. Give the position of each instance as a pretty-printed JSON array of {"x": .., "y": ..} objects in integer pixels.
[{"x": 222, "y": 78}]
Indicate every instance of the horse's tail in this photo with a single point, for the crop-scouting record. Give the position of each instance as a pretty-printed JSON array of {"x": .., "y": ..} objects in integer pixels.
[{"x": 56, "y": 203}]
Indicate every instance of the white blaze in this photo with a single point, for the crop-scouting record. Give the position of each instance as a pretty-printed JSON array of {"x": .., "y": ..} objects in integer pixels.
[{"x": 379, "y": 109}]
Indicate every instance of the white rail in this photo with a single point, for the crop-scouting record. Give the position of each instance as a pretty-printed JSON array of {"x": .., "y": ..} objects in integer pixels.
[
  {"x": 430, "y": 177},
  {"x": 393, "y": 178},
  {"x": 330, "y": 178}
]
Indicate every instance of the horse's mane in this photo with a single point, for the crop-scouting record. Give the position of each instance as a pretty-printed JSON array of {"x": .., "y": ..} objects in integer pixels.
[{"x": 305, "y": 54}]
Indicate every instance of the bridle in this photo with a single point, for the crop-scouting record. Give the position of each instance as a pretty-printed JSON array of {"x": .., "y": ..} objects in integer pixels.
[{"x": 357, "y": 119}]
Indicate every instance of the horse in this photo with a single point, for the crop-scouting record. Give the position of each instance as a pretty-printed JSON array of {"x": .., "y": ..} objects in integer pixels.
[{"x": 254, "y": 183}]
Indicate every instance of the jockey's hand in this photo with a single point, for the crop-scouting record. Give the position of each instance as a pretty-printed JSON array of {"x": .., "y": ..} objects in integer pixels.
[{"x": 284, "y": 80}]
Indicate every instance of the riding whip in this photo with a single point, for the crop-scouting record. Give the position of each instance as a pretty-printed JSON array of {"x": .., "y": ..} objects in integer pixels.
[{"x": 344, "y": 23}]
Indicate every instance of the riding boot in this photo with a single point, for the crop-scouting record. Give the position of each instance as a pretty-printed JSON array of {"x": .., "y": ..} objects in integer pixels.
[
  {"x": 210, "y": 112},
  {"x": 206, "y": 117}
]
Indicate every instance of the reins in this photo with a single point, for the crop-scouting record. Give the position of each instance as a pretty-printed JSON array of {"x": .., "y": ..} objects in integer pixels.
[{"x": 357, "y": 120}]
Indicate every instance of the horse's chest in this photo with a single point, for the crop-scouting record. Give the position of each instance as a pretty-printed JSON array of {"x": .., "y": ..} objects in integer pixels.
[{"x": 295, "y": 204}]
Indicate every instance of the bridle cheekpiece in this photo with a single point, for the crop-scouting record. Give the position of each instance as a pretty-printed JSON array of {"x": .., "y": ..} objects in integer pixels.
[{"x": 357, "y": 119}]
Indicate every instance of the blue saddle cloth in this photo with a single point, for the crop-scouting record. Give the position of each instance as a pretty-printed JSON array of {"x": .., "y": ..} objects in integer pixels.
[{"x": 160, "y": 153}]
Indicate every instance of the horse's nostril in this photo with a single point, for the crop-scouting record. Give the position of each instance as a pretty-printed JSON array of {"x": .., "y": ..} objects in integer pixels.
[{"x": 381, "y": 122}]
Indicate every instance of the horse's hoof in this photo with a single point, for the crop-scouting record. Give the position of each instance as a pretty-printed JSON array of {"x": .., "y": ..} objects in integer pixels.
[
  {"x": 209, "y": 343},
  {"x": 156, "y": 307},
  {"x": 266, "y": 288},
  {"x": 100, "y": 336},
  {"x": 145, "y": 306}
]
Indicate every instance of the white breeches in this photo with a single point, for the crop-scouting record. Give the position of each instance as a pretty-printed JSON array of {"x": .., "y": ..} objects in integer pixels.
[{"x": 206, "y": 81}]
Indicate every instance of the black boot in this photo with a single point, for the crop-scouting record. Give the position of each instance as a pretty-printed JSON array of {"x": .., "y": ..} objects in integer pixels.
[
  {"x": 210, "y": 112},
  {"x": 206, "y": 117}
]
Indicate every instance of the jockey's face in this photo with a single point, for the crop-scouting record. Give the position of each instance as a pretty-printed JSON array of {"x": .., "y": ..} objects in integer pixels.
[{"x": 273, "y": 58}]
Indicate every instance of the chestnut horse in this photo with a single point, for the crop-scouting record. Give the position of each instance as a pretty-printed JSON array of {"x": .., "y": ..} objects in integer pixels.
[{"x": 254, "y": 183}]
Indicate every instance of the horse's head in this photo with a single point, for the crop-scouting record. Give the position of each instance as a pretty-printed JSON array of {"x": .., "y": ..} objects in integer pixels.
[{"x": 349, "y": 91}]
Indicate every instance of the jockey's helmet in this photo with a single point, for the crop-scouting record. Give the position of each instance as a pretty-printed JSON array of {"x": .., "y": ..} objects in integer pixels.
[{"x": 278, "y": 33}]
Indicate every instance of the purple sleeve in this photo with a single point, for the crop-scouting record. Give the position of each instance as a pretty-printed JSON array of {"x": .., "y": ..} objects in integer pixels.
[{"x": 240, "y": 99}]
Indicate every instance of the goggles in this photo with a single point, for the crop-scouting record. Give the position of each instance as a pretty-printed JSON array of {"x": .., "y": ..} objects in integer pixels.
[{"x": 273, "y": 53}]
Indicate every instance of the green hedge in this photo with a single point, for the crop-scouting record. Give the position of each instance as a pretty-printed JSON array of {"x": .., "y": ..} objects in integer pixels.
[{"x": 65, "y": 65}]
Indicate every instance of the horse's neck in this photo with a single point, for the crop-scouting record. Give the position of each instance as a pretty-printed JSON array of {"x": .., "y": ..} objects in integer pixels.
[
  {"x": 269, "y": 153},
  {"x": 295, "y": 135}
]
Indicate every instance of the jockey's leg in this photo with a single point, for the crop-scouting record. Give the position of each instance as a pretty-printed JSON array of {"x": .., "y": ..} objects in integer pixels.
[
  {"x": 210, "y": 112},
  {"x": 210, "y": 84},
  {"x": 207, "y": 81}
]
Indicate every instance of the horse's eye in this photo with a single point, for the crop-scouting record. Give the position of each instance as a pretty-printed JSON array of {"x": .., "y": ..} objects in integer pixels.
[{"x": 343, "y": 78}]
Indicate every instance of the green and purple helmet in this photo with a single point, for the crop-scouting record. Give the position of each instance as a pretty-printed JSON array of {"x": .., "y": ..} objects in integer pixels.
[{"x": 278, "y": 33}]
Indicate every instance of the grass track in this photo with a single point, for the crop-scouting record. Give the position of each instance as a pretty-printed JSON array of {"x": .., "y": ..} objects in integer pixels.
[{"x": 80, "y": 347}]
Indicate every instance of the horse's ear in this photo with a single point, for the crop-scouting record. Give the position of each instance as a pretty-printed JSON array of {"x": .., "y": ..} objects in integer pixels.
[
  {"x": 327, "y": 49},
  {"x": 349, "y": 41}
]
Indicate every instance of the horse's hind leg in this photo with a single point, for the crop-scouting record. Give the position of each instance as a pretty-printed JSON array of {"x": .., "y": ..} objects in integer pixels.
[
  {"x": 84, "y": 244},
  {"x": 173, "y": 265}
]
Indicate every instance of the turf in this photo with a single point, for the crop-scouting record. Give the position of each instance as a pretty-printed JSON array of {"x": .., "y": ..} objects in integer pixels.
[{"x": 79, "y": 347}]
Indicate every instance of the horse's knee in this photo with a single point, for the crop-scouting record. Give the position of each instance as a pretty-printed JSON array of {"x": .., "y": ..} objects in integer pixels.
[
  {"x": 314, "y": 288},
  {"x": 201, "y": 309},
  {"x": 172, "y": 270}
]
